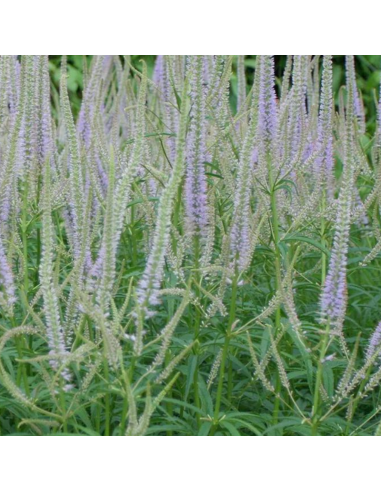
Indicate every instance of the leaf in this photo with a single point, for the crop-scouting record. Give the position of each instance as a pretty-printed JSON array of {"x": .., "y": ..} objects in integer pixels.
[
  {"x": 231, "y": 428},
  {"x": 88, "y": 432},
  {"x": 192, "y": 364},
  {"x": 303, "y": 239},
  {"x": 206, "y": 399},
  {"x": 306, "y": 357},
  {"x": 205, "y": 429},
  {"x": 246, "y": 425}
]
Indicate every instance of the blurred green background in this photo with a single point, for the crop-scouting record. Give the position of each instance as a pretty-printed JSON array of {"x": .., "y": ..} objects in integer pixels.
[{"x": 368, "y": 70}]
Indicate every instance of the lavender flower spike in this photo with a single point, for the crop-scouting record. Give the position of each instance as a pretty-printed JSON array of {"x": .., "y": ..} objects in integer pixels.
[
  {"x": 147, "y": 292},
  {"x": 7, "y": 288},
  {"x": 268, "y": 114},
  {"x": 240, "y": 232},
  {"x": 196, "y": 185},
  {"x": 374, "y": 343},
  {"x": 334, "y": 296},
  {"x": 325, "y": 132}
]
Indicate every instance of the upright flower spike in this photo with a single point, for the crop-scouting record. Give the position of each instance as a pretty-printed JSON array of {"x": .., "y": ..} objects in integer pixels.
[
  {"x": 4, "y": 76},
  {"x": 268, "y": 113},
  {"x": 118, "y": 196},
  {"x": 35, "y": 140},
  {"x": 158, "y": 72},
  {"x": 219, "y": 90},
  {"x": 123, "y": 189},
  {"x": 379, "y": 118},
  {"x": 241, "y": 82},
  {"x": 286, "y": 78},
  {"x": 196, "y": 184},
  {"x": 13, "y": 83},
  {"x": 108, "y": 245},
  {"x": 167, "y": 77},
  {"x": 298, "y": 111},
  {"x": 358, "y": 107},
  {"x": 85, "y": 120},
  {"x": 45, "y": 145},
  {"x": 147, "y": 292},
  {"x": 377, "y": 143},
  {"x": 240, "y": 233},
  {"x": 29, "y": 116},
  {"x": 75, "y": 164},
  {"x": 325, "y": 131},
  {"x": 53, "y": 323},
  {"x": 334, "y": 296},
  {"x": 7, "y": 286},
  {"x": 11, "y": 166},
  {"x": 374, "y": 343}
]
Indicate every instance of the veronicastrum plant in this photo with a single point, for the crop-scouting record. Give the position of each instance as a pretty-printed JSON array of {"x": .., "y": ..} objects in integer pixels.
[{"x": 178, "y": 261}]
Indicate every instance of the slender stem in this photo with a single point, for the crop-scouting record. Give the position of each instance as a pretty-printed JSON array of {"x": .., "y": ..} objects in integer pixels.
[
  {"x": 169, "y": 405},
  {"x": 230, "y": 380},
  {"x": 21, "y": 371},
  {"x": 356, "y": 400},
  {"x": 323, "y": 243},
  {"x": 319, "y": 375},
  {"x": 319, "y": 378},
  {"x": 278, "y": 277},
  {"x": 123, "y": 421},
  {"x": 133, "y": 237},
  {"x": 24, "y": 227},
  {"x": 197, "y": 334},
  {"x": 225, "y": 353},
  {"x": 63, "y": 405},
  {"x": 107, "y": 398},
  {"x": 38, "y": 246}
]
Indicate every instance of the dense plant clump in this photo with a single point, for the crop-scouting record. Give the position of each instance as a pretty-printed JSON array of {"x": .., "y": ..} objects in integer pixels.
[{"x": 175, "y": 261}]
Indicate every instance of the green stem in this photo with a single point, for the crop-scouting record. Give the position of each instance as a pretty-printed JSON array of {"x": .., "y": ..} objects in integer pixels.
[
  {"x": 278, "y": 277},
  {"x": 197, "y": 334},
  {"x": 24, "y": 228},
  {"x": 38, "y": 247},
  {"x": 21, "y": 370},
  {"x": 225, "y": 354},
  {"x": 169, "y": 406},
  {"x": 123, "y": 421},
  {"x": 133, "y": 237},
  {"x": 316, "y": 418},
  {"x": 323, "y": 243},
  {"x": 319, "y": 378},
  {"x": 356, "y": 401},
  {"x": 63, "y": 405},
  {"x": 107, "y": 398}
]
